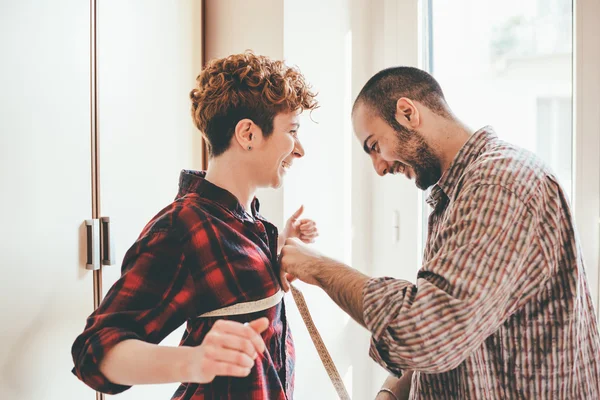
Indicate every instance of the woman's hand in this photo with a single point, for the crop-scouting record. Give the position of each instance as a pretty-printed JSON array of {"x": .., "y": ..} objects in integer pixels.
[
  {"x": 229, "y": 349},
  {"x": 303, "y": 229}
]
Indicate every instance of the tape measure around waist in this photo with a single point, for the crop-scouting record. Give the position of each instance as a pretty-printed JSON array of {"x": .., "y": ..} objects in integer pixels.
[
  {"x": 247, "y": 307},
  {"x": 264, "y": 304}
]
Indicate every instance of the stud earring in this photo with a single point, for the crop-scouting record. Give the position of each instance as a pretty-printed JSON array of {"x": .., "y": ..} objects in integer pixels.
[{"x": 249, "y": 147}]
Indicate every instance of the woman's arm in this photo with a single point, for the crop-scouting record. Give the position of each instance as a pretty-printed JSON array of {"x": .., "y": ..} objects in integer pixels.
[{"x": 229, "y": 349}]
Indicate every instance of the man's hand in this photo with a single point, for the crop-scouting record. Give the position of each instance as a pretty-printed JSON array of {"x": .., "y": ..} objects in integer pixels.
[
  {"x": 343, "y": 284},
  {"x": 298, "y": 261},
  {"x": 303, "y": 229},
  {"x": 229, "y": 349}
]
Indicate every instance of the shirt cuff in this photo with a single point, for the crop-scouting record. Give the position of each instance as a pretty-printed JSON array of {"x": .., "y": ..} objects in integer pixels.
[
  {"x": 87, "y": 357},
  {"x": 382, "y": 297},
  {"x": 382, "y": 300}
]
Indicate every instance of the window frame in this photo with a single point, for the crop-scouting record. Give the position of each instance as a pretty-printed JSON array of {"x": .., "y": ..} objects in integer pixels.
[{"x": 585, "y": 134}]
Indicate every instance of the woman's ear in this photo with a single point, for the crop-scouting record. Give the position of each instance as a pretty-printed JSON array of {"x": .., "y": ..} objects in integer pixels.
[{"x": 244, "y": 134}]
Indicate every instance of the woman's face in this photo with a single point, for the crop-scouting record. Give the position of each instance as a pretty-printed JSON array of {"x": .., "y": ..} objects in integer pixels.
[{"x": 274, "y": 155}]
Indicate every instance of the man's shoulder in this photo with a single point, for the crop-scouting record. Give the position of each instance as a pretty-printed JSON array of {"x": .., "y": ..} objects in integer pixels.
[{"x": 513, "y": 168}]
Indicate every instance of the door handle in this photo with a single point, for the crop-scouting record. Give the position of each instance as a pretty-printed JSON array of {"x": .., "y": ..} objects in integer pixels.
[
  {"x": 93, "y": 244},
  {"x": 107, "y": 243}
]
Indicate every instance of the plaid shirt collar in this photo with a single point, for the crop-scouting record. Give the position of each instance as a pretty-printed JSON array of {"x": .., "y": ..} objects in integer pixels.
[
  {"x": 447, "y": 185},
  {"x": 195, "y": 182}
]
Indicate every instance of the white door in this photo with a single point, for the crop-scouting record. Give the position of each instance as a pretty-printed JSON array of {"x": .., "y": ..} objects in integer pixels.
[
  {"x": 45, "y": 176},
  {"x": 149, "y": 54}
]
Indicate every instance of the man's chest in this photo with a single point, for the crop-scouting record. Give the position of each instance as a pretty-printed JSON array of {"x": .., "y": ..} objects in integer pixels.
[{"x": 436, "y": 224}]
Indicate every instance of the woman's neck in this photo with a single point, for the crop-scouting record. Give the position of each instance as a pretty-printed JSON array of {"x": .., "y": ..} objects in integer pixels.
[{"x": 233, "y": 178}]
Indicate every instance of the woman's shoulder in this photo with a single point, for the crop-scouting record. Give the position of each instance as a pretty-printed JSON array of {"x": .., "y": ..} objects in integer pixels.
[{"x": 177, "y": 217}]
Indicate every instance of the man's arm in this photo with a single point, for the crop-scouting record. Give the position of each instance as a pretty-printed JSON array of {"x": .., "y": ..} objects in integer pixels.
[
  {"x": 400, "y": 387},
  {"x": 463, "y": 294},
  {"x": 343, "y": 284}
]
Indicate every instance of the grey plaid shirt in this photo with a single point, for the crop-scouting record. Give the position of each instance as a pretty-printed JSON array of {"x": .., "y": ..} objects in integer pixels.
[{"x": 501, "y": 308}]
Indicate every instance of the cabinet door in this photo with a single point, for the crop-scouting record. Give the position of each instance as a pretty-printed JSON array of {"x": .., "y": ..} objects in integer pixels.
[
  {"x": 45, "y": 176},
  {"x": 149, "y": 54}
]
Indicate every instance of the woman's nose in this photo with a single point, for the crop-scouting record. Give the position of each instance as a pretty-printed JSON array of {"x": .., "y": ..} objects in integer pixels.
[{"x": 298, "y": 150}]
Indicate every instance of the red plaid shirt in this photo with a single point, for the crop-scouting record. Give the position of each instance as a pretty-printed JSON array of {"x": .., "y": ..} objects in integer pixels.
[{"x": 201, "y": 253}]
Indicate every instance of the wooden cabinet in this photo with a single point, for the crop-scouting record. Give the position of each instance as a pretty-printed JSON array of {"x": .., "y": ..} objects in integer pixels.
[{"x": 55, "y": 173}]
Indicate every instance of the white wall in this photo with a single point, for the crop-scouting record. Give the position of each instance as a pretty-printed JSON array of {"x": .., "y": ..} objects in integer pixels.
[
  {"x": 329, "y": 42},
  {"x": 394, "y": 40},
  {"x": 587, "y": 137},
  {"x": 362, "y": 186},
  {"x": 233, "y": 26}
]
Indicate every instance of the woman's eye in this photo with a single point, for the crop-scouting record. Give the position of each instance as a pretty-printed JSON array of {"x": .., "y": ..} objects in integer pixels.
[{"x": 374, "y": 147}]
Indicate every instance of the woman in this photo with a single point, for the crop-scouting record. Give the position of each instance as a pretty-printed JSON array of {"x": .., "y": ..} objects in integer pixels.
[{"x": 209, "y": 258}]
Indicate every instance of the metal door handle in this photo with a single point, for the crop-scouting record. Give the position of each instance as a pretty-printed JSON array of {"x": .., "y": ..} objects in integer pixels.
[
  {"x": 107, "y": 242},
  {"x": 93, "y": 245}
]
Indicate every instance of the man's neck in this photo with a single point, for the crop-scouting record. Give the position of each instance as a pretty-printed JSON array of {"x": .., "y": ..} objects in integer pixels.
[
  {"x": 227, "y": 175},
  {"x": 451, "y": 139}
]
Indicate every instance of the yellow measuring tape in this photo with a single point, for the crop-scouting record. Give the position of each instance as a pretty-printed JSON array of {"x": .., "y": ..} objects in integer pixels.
[
  {"x": 263, "y": 304},
  {"x": 330, "y": 367}
]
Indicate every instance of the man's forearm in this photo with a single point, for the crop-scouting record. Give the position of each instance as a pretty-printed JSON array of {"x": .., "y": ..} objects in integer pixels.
[
  {"x": 344, "y": 285},
  {"x": 134, "y": 362}
]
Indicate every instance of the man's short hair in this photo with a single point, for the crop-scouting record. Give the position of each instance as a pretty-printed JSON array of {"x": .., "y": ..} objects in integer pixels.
[{"x": 383, "y": 90}]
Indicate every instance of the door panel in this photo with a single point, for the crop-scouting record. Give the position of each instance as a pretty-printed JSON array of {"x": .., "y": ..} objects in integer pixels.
[
  {"x": 45, "y": 176},
  {"x": 149, "y": 54}
]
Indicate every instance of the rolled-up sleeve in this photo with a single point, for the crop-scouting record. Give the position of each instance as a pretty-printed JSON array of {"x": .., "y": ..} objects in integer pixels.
[
  {"x": 489, "y": 264},
  {"x": 153, "y": 297}
]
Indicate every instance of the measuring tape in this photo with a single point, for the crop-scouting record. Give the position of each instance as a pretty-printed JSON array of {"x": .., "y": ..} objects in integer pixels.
[
  {"x": 260, "y": 305},
  {"x": 330, "y": 367}
]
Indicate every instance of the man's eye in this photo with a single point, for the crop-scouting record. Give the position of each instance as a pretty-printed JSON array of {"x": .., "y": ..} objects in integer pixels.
[{"x": 294, "y": 133}]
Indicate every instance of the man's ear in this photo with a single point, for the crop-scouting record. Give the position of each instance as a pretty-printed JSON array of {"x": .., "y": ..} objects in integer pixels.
[{"x": 407, "y": 113}]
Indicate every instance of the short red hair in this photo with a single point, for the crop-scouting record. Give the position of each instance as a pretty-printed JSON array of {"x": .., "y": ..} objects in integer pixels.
[{"x": 245, "y": 86}]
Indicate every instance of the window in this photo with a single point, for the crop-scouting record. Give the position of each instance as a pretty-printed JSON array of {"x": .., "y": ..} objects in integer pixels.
[
  {"x": 509, "y": 65},
  {"x": 554, "y": 116}
]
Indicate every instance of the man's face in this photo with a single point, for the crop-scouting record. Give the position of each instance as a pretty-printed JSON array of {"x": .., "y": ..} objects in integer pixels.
[{"x": 395, "y": 149}]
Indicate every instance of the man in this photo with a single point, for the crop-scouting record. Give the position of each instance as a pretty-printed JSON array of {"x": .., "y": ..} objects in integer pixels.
[{"x": 501, "y": 308}]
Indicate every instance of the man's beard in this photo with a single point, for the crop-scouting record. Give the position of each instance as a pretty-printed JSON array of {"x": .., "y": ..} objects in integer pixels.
[{"x": 419, "y": 156}]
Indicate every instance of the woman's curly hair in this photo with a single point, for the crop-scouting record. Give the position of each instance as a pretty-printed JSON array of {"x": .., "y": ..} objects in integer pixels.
[{"x": 245, "y": 86}]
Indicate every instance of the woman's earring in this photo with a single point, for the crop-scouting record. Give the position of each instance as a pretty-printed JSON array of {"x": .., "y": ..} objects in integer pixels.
[{"x": 249, "y": 147}]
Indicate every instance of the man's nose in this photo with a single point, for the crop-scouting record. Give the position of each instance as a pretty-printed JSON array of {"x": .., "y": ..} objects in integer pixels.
[{"x": 381, "y": 166}]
